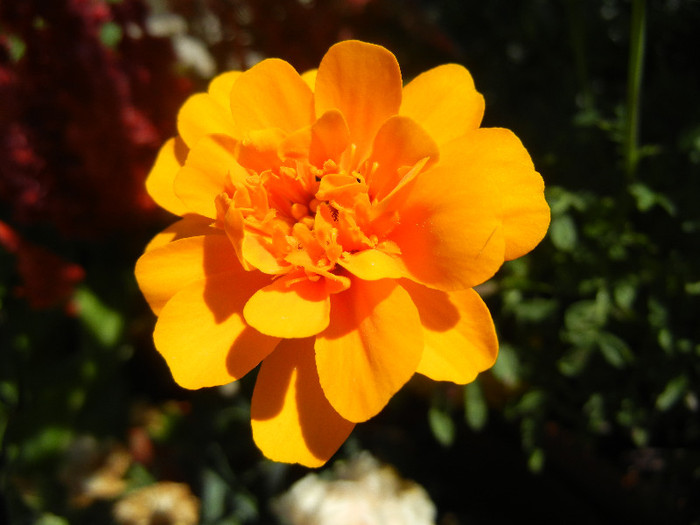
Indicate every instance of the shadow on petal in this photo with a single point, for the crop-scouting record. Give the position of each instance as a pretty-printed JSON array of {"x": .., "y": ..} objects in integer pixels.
[{"x": 435, "y": 309}]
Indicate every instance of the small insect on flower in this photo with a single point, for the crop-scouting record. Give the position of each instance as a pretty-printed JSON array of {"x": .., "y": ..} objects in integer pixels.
[{"x": 333, "y": 231}]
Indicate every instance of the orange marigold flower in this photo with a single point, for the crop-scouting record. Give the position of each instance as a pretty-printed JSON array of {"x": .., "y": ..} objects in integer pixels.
[{"x": 333, "y": 226}]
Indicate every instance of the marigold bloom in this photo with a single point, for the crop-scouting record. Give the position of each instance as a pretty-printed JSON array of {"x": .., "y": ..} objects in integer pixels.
[{"x": 333, "y": 226}]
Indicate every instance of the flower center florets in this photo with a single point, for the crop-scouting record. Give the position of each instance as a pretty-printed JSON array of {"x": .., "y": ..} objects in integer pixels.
[{"x": 302, "y": 216}]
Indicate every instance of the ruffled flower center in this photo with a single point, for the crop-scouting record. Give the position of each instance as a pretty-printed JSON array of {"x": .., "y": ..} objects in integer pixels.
[{"x": 300, "y": 216}]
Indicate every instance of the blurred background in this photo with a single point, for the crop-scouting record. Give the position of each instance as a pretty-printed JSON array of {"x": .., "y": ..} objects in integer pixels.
[{"x": 591, "y": 414}]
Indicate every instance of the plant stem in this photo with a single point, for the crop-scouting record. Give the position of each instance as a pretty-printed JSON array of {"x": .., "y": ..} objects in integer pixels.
[{"x": 634, "y": 86}]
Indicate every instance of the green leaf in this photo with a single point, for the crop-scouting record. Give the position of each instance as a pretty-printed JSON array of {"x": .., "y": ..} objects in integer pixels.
[
  {"x": 574, "y": 361},
  {"x": 104, "y": 323},
  {"x": 214, "y": 492},
  {"x": 535, "y": 462},
  {"x": 534, "y": 310},
  {"x": 646, "y": 198},
  {"x": 562, "y": 233},
  {"x": 614, "y": 350},
  {"x": 674, "y": 391},
  {"x": 475, "y": 409},
  {"x": 51, "y": 519},
  {"x": 442, "y": 426},
  {"x": 507, "y": 367},
  {"x": 111, "y": 34}
]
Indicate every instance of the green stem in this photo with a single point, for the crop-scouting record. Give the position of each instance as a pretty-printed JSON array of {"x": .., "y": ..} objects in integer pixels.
[{"x": 634, "y": 86}]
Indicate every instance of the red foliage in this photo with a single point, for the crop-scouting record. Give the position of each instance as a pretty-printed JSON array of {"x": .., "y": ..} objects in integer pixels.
[
  {"x": 48, "y": 280},
  {"x": 81, "y": 122}
]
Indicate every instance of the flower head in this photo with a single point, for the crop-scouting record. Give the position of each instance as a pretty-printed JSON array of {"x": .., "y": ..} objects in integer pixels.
[{"x": 333, "y": 226}]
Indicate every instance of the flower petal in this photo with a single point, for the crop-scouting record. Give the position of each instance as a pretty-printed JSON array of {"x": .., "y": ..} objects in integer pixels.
[
  {"x": 363, "y": 81},
  {"x": 188, "y": 226},
  {"x": 291, "y": 306},
  {"x": 220, "y": 87},
  {"x": 444, "y": 101},
  {"x": 271, "y": 95},
  {"x": 371, "y": 265},
  {"x": 449, "y": 232},
  {"x": 202, "y": 335},
  {"x": 210, "y": 169},
  {"x": 310, "y": 78},
  {"x": 164, "y": 271},
  {"x": 159, "y": 183},
  {"x": 460, "y": 339},
  {"x": 201, "y": 115},
  {"x": 370, "y": 349},
  {"x": 325, "y": 139},
  {"x": 525, "y": 212},
  {"x": 400, "y": 143},
  {"x": 292, "y": 420}
]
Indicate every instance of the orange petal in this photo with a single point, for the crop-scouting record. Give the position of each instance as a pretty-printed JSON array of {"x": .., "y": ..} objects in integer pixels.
[
  {"x": 363, "y": 81},
  {"x": 449, "y": 231},
  {"x": 370, "y": 349},
  {"x": 259, "y": 150},
  {"x": 188, "y": 226},
  {"x": 399, "y": 143},
  {"x": 202, "y": 335},
  {"x": 289, "y": 307},
  {"x": 209, "y": 170},
  {"x": 220, "y": 87},
  {"x": 525, "y": 212},
  {"x": 372, "y": 265},
  {"x": 310, "y": 78},
  {"x": 160, "y": 181},
  {"x": 164, "y": 271},
  {"x": 292, "y": 420},
  {"x": 444, "y": 101},
  {"x": 201, "y": 115},
  {"x": 325, "y": 139},
  {"x": 271, "y": 95},
  {"x": 460, "y": 339}
]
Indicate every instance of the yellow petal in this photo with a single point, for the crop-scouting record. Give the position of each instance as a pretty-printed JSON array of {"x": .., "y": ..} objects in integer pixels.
[
  {"x": 400, "y": 143},
  {"x": 210, "y": 169},
  {"x": 164, "y": 271},
  {"x": 271, "y": 95},
  {"x": 292, "y": 420},
  {"x": 370, "y": 349},
  {"x": 202, "y": 335},
  {"x": 201, "y": 115},
  {"x": 289, "y": 307},
  {"x": 188, "y": 226},
  {"x": 444, "y": 101},
  {"x": 372, "y": 265},
  {"x": 220, "y": 87},
  {"x": 258, "y": 150},
  {"x": 449, "y": 231},
  {"x": 310, "y": 78},
  {"x": 160, "y": 181},
  {"x": 363, "y": 81},
  {"x": 525, "y": 212},
  {"x": 325, "y": 139},
  {"x": 460, "y": 339}
]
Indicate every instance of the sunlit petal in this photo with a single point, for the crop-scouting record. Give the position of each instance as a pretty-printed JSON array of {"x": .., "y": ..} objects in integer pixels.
[
  {"x": 450, "y": 232},
  {"x": 271, "y": 95},
  {"x": 371, "y": 348},
  {"x": 444, "y": 102},
  {"x": 163, "y": 271},
  {"x": 202, "y": 115},
  {"x": 363, "y": 81},
  {"x": 159, "y": 183},
  {"x": 460, "y": 339},
  {"x": 291, "y": 418},
  {"x": 289, "y": 307},
  {"x": 202, "y": 335}
]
